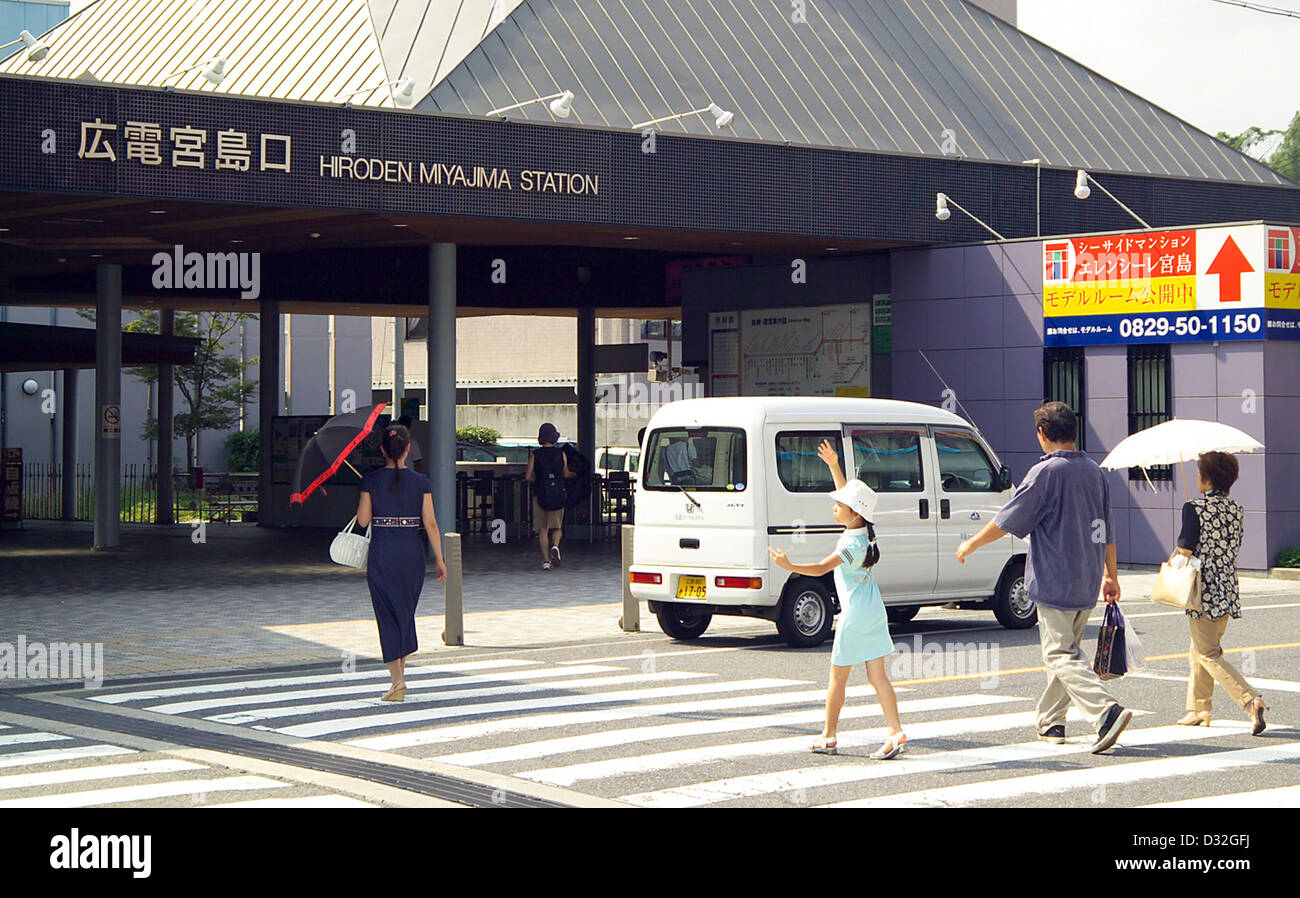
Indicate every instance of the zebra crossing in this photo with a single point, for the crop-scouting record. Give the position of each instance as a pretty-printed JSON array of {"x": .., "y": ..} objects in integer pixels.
[
  {"x": 656, "y": 737},
  {"x": 50, "y": 770}
]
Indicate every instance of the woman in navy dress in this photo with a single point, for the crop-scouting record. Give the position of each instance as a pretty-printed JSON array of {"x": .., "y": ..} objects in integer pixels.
[{"x": 399, "y": 503}]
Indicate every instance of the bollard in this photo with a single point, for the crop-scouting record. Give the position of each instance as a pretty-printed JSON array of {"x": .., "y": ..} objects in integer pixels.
[
  {"x": 453, "y": 618},
  {"x": 631, "y": 619}
]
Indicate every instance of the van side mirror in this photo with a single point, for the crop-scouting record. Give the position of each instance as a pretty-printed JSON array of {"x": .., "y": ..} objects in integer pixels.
[{"x": 1004, "y": 478}]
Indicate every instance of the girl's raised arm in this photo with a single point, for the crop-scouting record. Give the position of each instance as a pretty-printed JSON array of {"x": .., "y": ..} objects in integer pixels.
[{"x": 828, "y": 454}]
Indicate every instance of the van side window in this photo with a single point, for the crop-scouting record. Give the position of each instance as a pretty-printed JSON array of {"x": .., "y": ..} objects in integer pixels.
[
  {"x": 963, "y": 466},
  {"x": 888, "y": 460},
  {"x": 798, "y": 466}
]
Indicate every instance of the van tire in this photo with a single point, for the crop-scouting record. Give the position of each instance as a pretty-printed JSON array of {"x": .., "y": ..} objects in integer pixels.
[
  {"x": 901, "y": 614},
  {"x": 683, "y": 621},
  {"x": 807, "y": 612},
  {"x": 1011, "y": 606}
]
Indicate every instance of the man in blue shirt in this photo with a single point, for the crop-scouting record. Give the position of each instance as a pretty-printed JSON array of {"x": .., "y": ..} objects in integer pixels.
[{"x": 1063, "y": 507}]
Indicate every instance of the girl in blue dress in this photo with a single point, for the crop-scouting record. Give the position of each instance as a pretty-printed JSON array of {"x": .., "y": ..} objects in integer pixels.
[
  {"x": 862, "y": 634},
  {"x": 399, "y": 503}
]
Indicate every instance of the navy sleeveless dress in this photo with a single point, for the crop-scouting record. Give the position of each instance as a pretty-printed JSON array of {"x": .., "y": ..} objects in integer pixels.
[{"x": 396, "y": 565}]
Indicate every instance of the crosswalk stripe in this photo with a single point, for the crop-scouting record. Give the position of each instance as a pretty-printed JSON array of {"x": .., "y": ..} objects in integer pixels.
[
  {"x": 277, "y": 682},
  {"x": 832, "y": 774},
  {"x": 310, "y": 801},
  {"x": 608, "y": 738},
  {"x": 1262, "y": 684},
  {"x": 46, "y": 755},
  {"x": 1059, "y": 781},
  {"x": 340, "y": 725},
  {"x": 460, "y": 732},
  {"x": 610, "y": 767},
  {"x": 103, "y": 771},
  {"x": 375, "y": 704},
  {"x": 429, "y": 685},
  {"x": 1281, "y": 797},
  {"x": 143, "y": 792},
  {"x": 23, "y": 738}
]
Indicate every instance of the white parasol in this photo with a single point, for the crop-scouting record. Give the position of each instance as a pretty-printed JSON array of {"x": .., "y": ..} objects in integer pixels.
[{"x": 1176, "y": 441}]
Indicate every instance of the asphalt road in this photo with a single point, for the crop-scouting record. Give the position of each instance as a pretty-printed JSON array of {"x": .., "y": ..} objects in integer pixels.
[{"x": 728, "y": 720}]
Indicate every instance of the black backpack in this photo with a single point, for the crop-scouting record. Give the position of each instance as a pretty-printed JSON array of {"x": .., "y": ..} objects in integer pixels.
[{"x": 549, "y": 480}]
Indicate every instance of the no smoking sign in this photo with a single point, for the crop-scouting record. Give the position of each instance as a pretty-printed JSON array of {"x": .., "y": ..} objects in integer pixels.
[{"x": 110, "y": 421}]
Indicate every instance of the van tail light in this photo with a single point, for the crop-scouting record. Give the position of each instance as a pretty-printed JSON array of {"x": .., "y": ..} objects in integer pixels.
[
  {"x": 738, "y": 582},
  {"x": 653, "y": 579}
]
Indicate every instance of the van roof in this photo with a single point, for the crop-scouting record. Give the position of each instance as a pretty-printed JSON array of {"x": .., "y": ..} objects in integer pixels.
[{"x": 754, "y": 410}]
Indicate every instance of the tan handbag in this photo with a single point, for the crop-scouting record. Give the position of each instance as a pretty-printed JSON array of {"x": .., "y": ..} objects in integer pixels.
[{"x": 1178, "y": 587}]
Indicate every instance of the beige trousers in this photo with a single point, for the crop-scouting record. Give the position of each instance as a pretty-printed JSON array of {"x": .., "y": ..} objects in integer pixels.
[
  {"x": 1208, "y": 666},
  {"x": 1070, "y": 677}
]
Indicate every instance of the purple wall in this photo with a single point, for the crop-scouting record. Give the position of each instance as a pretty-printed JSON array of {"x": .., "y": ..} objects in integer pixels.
[{"x": 976, "y": 312}]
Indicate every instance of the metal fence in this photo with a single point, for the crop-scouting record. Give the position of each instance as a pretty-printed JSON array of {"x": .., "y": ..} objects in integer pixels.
[
  {"x": 43, "y": 494},
  {"x": 483, "y": 498}
]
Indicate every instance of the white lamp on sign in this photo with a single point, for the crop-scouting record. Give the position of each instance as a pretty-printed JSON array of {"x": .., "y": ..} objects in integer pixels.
[
  {"x": 561, "y": 104},
  {"x": 403, "y": 92},
  {"x": 35, "y": 49},
  {"x": 942, "y": 212},
  {"x": 1082, "y": 191},
  {"x": 214, "y": 69},
  {"x": 722, "y": 118}
]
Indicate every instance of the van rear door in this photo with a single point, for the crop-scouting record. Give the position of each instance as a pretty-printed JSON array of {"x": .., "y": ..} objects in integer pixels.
[{"x": 895, "y": 461}]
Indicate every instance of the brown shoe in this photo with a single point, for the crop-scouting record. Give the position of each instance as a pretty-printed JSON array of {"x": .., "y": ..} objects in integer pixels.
[{"x": 1256, "y": 711}]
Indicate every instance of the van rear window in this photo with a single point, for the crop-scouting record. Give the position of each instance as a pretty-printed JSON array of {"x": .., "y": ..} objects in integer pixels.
[{"x": 698, "y": 458}]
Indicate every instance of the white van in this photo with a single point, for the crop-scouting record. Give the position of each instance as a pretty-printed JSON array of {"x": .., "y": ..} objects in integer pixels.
[{"x": 724, "y": 478}]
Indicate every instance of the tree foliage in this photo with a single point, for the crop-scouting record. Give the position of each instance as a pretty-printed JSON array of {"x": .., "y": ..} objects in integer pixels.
[{"x": 1285, "y": 158}]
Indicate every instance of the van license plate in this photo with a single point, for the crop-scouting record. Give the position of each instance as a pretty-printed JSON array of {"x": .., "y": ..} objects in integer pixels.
[{"x": 691, "y": 587}]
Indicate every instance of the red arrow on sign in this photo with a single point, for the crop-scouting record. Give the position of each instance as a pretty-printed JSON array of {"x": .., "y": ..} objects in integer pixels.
[{"x": 1230, "y": 264}]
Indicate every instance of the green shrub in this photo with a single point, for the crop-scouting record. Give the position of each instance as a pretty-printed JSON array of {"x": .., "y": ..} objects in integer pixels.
[
  {"x": 479, "y": 436},
  {"x": 1289, "y": 558},
  {"x": 245, "y": 448}
]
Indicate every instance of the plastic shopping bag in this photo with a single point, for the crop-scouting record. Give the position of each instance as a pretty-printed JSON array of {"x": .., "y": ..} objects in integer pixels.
[
  {"x": 1110, "y": 661},
  {"x": 1135, "y": 656}
]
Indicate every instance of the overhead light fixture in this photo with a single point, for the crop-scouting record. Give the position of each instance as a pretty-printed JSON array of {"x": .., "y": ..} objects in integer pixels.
[
  {"x": 30, "y": 387},
  {"x": 403, "y": 92},
  {"x": 942, "y": 212},
  {"x": 1082, "y": 191},
  {"x": 561, "y": 104},
  {"x": 722, "y": 118},
  {"x": 157, "y": 211},
  {"x": 214, "y": 69},
  {"x": 315, "y": 234},
  {"x": 35, "y": 49},
  {"x": 631, "y": 238}
]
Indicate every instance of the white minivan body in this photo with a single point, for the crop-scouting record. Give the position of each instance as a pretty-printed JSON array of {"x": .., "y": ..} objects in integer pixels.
[{"x": 724, "y": 478}]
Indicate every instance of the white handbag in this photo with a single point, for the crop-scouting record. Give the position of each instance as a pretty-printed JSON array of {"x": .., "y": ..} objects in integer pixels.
[
  {"x": 350, "y": 548},
  {"x": 1178, "y": 585}
]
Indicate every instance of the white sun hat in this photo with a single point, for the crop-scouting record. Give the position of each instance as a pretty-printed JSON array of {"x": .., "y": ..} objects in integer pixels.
[{"x": 857, "y": 496}]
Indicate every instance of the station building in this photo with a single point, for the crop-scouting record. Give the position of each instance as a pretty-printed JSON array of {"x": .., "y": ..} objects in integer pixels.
[{"x": 783, "y": 161}]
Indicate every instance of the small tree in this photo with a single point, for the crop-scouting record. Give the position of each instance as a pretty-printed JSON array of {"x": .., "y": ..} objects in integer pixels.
[
  {"x": 210, "y": 385},
  {"x": 1286, "y": 158},
  {"x": 478, "y": 436}
]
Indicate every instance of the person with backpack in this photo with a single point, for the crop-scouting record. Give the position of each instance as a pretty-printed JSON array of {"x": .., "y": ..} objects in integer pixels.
[
  {"x": 547, "y": 470},
  {"x": 862, "y": 633}
]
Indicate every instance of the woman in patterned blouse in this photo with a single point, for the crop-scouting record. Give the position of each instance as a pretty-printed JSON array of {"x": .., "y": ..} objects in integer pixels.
[{"x": 1212, "y": 530}]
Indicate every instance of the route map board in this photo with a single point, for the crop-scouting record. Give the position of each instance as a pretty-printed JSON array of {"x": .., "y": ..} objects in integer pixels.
[{"x": 808, "y": 351}]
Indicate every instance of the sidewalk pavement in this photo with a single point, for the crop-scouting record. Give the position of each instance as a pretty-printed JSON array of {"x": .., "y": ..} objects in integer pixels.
[{"x": 250, "y": 598}]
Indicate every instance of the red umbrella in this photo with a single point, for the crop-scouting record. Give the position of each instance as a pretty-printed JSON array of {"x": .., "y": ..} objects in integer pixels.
[{"x": 329, "y": 448}]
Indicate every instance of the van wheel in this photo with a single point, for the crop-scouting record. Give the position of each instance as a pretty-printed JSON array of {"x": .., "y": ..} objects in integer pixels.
[
  {"x": 806, "y": 614},
  {"x": 901, "y": 614},
  {"x": 1011, "y": 605},
  {"x": 683, "y": 621}
]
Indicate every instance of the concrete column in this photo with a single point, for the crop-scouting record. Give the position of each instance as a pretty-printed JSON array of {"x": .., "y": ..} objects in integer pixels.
[
  {"x": 440, "y": 444},
  {"x": 399, "y": 364},
  {"x": 69, "y": 444},
  {"x": 108, "y": 405},
  {"x": 268, "y": 395},
  {"x": 587, "y": 383},
  {"x": 166, "y": 425}
]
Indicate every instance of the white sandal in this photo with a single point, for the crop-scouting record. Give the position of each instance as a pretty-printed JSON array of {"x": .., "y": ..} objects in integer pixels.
[
  {"x": 826, "y": 746},
  {"x": 897, "y": 743}
]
